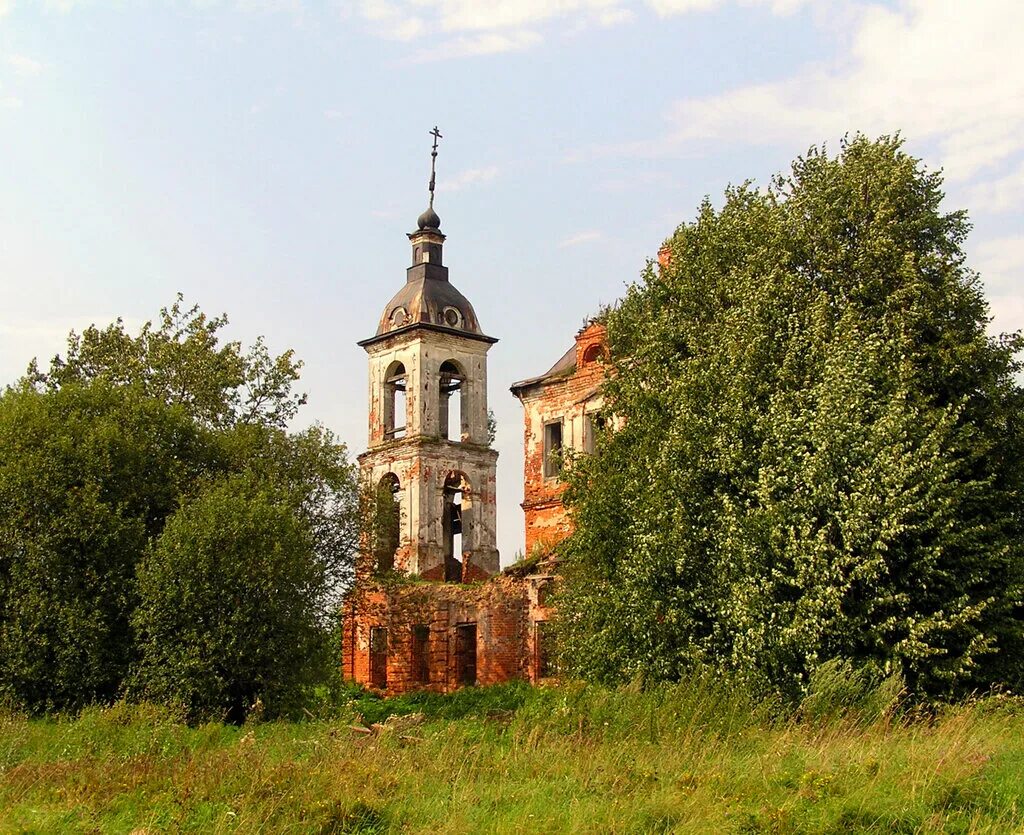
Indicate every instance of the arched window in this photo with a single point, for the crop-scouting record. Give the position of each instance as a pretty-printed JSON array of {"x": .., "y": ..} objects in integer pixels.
[
  {"x": 387, "y": 522},
  {"x": 452, "y": 406},
  {"x": 394, "y": 401},
  {"x": 456, "y": 520},
  {"x": 593, "y": 353}
]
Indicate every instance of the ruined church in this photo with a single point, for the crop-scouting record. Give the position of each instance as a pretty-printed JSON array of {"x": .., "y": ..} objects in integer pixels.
[{"x": 431, "y": 608}]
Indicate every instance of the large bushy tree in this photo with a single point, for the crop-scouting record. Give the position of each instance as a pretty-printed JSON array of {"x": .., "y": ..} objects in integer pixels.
[
  {"x": 819, "y": 451},
  {"x": 88, "y": 473},
  {"x": 99, "y": 451},
  {"x": 228, "y": 602}
]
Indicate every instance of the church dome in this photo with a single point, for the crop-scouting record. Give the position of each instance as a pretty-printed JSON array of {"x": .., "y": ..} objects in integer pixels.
[
  {"x": 429, "y": 219},
  {"x": 429, "y": 301}
]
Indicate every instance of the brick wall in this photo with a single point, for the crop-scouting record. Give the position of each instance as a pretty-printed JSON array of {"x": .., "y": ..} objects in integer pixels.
[
  {"x": 503, "y": 610},
  {"x": 569, "y": 395}
]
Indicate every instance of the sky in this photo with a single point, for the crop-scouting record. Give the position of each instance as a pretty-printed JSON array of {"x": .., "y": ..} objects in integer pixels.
[{"x": 266, "y": 158}]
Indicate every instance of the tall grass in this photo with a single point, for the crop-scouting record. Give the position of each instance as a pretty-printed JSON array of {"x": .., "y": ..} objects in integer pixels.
[{"x": 703, "y": 756}]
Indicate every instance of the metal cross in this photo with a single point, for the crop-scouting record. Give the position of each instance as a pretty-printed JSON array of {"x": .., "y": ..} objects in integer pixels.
[{"x": 433, "y": 160}]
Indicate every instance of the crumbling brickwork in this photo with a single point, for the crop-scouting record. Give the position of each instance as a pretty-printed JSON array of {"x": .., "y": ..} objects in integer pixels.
[
  {"x": 426, "y": 626},
  {"x": 561, "y": 411}
]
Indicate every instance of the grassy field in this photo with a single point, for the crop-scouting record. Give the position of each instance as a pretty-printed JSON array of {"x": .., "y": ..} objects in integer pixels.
[{"x": 694, "y": 758}]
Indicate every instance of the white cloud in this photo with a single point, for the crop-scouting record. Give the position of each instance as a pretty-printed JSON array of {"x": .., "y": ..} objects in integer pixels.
[
  {"x": 1000, "y": 195},
  {"x": 948, "y": 72},
  {"x": 468, "y": 178},
  {"x": 477, "y": 15},
  {"x": 392, "y": 20},
  {"x": 10, "y": 101},
  {"x": 271, "y": 6},
  {"x": 23, "y": 65},
  {"x": 581, "y": 238},
  {"x": 508, "y": 25},
  {"x": 613, "y": 17},
  {"x": 998, "y": 258},
  {"x": 63, "y": 6},
  {"x": 486, "y": 43},
  {"x": 664, "y": 8},
  {"x": 1001, "y": 264}
]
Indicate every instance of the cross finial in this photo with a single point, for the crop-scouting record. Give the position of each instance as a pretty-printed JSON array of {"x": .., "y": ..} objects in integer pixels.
[{"x": 433, "y": 161}]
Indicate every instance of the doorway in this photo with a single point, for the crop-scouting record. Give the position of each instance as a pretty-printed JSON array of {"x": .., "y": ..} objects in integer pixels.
[{"x": 465, "y": 654}]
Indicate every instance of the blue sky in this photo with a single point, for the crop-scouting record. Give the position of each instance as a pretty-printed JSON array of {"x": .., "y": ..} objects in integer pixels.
[{"x": 267, "y": 157}]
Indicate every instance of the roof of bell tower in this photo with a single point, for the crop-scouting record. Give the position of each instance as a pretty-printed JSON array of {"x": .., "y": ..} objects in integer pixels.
[{"x": 428, "y": 299}]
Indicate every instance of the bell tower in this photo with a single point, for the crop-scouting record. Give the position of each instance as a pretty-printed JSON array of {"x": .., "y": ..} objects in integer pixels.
[{"x": 429, "y": 434}]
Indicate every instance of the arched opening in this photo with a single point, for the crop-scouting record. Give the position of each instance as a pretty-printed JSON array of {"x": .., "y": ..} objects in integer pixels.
[
  {"x": 394, "y": 401},
  {"x": 452, "y": 408},
  {"x": 456, "y": 519},
  {"x": 593, "y": 353},
  {"x": 387, "y": 522}
]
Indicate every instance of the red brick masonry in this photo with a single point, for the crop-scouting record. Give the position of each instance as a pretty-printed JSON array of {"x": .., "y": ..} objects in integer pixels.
[
  {"x": 568, "y": 392},
  {"x": 503, "y": 612}
]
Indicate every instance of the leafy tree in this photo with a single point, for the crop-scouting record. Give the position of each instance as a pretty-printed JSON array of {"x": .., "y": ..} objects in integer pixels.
[
  {"x": 87, "y": 475},
  {"x": 114, "y": 440},
  {"x": 382, "y": 519},
  {"x": 820, "y": 449},
  {"x": 313, "y": 465},
  {"x": 180, "y": 360},
  {"x": 228, "y": 602}
]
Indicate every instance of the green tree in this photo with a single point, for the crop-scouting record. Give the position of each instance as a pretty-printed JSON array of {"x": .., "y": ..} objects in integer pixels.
[
  {"x": 314, "y": 466},
  {"x": 228, "y": 602},
  {"x": 100, "y": 451},
  {"x": 88, "y": 473},
  {"x": 820, "y": 449},
  {"x": 181, "y": 360}
]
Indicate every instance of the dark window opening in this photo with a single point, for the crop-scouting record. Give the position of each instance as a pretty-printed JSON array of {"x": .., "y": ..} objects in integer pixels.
[
  {"x": 593, "y": 425},
  {"x": 542, "y": 650},
  {"x": 454, "y": 523},
  {"x": 420, "y": 654},
  {"x": 450, "y": 403},
  {"x": 592, "y": 353},
  {"x": 394, "y": 401},
  {"x": 465, "y": 654},
  {"x": 552, "y": 449},
  {"x": 387, "y": 522},
  {"x": 379, "y": 657},
  {"x": 544, "y": 589}
]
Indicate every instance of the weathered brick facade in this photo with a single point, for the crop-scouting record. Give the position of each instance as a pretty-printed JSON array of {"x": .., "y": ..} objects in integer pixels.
[
  {"x": 421, "y": 625},
  {"x": 561, "y": 411}
]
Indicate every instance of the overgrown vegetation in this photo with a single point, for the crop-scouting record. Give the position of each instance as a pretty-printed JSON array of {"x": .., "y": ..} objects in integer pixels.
[
  {"x": 162, "y": 535},
  {"x": 699, "y": 756},
  {"x": 820, "y": 452}
]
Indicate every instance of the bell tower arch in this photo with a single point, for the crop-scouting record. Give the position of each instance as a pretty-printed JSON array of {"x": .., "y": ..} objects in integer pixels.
[{"x": 428, "y": 420}]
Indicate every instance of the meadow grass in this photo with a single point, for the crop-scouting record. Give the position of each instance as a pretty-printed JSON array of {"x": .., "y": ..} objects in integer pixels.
[{"x": 700, "y": 757}]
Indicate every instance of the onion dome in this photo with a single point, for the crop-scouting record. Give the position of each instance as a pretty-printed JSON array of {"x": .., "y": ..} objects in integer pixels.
[{"x": 429, "y": 219}]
